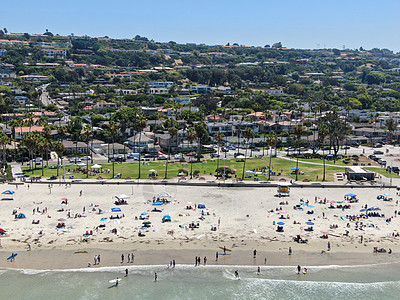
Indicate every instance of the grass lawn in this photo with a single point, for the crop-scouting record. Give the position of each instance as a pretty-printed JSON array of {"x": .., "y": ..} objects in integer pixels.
[
  {"x": 383, "y": 172},
  {"x": 130, "y": 169}
]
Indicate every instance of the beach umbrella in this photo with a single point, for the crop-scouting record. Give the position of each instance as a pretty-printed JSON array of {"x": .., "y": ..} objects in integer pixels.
[
  {"x": 295, "y": 168},
  {"x": 62, "y": 220},
  {"x": 152, "y": 171},
  {"x": 281, "y": 223},
  {"x": 2, "y": 231},
  {"x": 144, "y": 213},
  {"x": 8, "y": 192},
  {"x": 64, "y": 198},
  {"x": 122, "y": 196},
  {"x": 386, "y": 194},
  {"x": 158, "y": 203},
  {"x": 309, "y": 223},
  {"x": 96, "y": 166},
  {"x": 167, "y": 217},
  {"x": 81, "y": 165},
  {"x": 115, "y": 209}
]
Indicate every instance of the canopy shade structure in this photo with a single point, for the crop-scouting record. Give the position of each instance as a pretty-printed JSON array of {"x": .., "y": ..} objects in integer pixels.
[
  {"x": 164, "y": 194},
  {"x": 8, "y": 192},
  {"x": 122, "y": 197},
  {"x": 96, "y": 166},
  {"x": 81, "y": 165},
  {"x": 152, "y": 171}
]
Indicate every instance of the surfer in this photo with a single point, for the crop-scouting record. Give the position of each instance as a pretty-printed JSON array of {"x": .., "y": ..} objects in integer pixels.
[
  {"x": 236, "y": 274},
  {"x": 298, "y": 269}
]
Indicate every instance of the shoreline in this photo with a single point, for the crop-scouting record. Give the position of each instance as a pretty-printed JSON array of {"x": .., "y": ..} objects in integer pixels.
[{"x": 56, "y": 259}]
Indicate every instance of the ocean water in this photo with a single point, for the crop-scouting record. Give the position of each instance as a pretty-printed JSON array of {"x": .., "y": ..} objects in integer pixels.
[{"x": 205, "y": 282}]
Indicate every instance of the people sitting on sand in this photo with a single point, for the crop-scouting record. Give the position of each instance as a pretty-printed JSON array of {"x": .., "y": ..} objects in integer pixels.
[{"x": 121, "y": 202}]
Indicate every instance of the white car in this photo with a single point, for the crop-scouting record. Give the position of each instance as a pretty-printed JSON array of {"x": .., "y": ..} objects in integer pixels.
[
  {"x": 86, "y": 158},
  {"x": 178, "y": 156}
]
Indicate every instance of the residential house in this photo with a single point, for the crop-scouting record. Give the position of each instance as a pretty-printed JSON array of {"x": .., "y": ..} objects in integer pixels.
[
  {"x": 161, "y": 84},
  {"x": 113, "y": 149},
  {"x": 148, "y": 111},
  {"x": 54, "y": 53},
  {"x": 200, "y": 89},
  {"x": 3, "y": 52},
  {"x": 276, "y": 92},
  {"x": 159, "y": 90},
  {"x": 75, "y": 148},
  {"x": 374, "y": 135},
  {"x": 257, "y": 116},
  {"x": 224, "y": 127},
  {"x": 20, "y": 132},
  {"x": 34, "y": 78},
  {"x": 140, "y": 142}
]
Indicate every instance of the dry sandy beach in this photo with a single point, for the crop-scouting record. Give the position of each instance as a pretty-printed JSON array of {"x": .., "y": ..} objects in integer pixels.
[{"x": 246, "y": 223}]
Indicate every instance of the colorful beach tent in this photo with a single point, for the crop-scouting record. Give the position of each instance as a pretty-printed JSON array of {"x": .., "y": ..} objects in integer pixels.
[
  {"x": 201, "y": 206},
  {"x": 167, "y": 217},
  {"x": 350, "y": 195},
  {"x": 21, "y": 216}
]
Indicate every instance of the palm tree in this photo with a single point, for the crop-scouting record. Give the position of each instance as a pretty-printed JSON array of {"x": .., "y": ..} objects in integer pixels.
[
  {"x": 58, "y": 147},
  {"x": 323, "y": 132},
  {"x": 43, "y": 146},
  {"x": 88, "y": 131},
  {"x": 4, "y": 141},
  {"x": 271, "y": 140},
  {"x": 113, "y": 130},
  {"x": 30, "y": 141},
  {"x": 140, "y": 125},
  {"x": 248, "y": 135},
  {"x": 391, "y": 127},
  {"x": 298, "y": 132},
  {"x": 191, "y": 137},
  {"x": 219, "y": 137},
  {"x": 173, "y": 131}
]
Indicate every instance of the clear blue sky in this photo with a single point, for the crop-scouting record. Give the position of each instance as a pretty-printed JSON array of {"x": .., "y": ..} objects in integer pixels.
[{"x": 296, "y": 23}]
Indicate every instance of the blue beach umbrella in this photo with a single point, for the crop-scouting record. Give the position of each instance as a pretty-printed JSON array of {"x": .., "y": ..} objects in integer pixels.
[
  {"x": 295, "y": 168},
  {"x": 115, "y": 209},
  {"x": 309, "y": 223},
  {"x": 281, "y": 223},
  {"x": 144, "y": 213},
  {"x": 350, "y": 195}
]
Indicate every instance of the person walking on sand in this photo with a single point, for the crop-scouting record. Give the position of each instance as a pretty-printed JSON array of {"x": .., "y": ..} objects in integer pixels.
[
  {"x": 122, "y": 258},
  {"x": 95, "y": 260},
  {"x": 80, "y": 193},
  {"x": 290, "y": 250},
  {"x": 98, "y": 259},
  {"x": 254, "y": 253},
  {"x": 205, "y": 260},
  {"x": 132, "y": 257},
  {"x": 117, "y": 281},
  {"x": 329, "y": 246},
  {"x": 224, "y": 250},
  {"x": 129, "y": 258},
  {"x": 216, "y": 256},
  {"x": 173, "y": 263}
]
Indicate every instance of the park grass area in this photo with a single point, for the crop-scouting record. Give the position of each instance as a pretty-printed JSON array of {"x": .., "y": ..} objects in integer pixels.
[
  {"x": 131, "y": 169},
  {"x": 328, "y": 162},
  {"x": 383, "y": 172}
]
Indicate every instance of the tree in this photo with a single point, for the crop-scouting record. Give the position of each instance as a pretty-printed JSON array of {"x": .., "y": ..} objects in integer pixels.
[
  {"x": 277, "y": 45},
  {"x": 391, "y": 126},
  {"x": 219, "y": 137},
  {"x": 112, "y": 131},
  {"x": 298, "y": 132},
  {"x": 4, "y": 141},
  {"x": 248, "y": 135},
  {"x": 323, "y": 132},
  {"x": 43, "y": 146},
  {"x": 140, "y": 125},
  {"x": 191, "y": 137},
  {"x": 29, "y": 141},
  {"x": 338, "y": 129},
  {"x": 202, "y": 137},
  {"x": 58, "y": 148},
  {"x": 173, "y": 131},
  {"x": 271, "y": 141},
  {"x": 88, "y": 131}
]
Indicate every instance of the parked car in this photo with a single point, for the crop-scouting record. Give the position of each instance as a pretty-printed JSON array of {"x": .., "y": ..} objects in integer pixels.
[
  {"x": 178, "y": 156},
  {"x": 22, "y": 159},
  {"x": 346, "y": 147},
  {"x": 238, "y": 154},
  {"x": 393, "y": 169},
  {"x": 224, "y": 149},
  {"x": 149, "y": 156},
  {"x": 213, "y": 155},
  {"x": 191, "y": 154},
  {"x": 378, "y": 152},
  {"x": 87, "y": 157},
  {"x": 74, "y": 160},
  {"x": 135, "y": 156},
  {"x": 161, "y": 157},
  {"x": 231, "y": 147},
  {"x": 378, "y": 145},
  {"x": 198, "y": 156}
]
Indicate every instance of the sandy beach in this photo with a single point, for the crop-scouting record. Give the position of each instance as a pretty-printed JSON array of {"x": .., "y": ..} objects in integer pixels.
[{"x": 245, "y": 219}]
